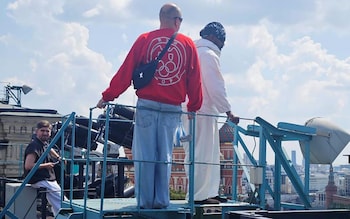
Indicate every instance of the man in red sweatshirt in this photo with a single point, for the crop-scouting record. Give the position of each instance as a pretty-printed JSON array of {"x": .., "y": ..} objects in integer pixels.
[{"x": 158, "y": 108}]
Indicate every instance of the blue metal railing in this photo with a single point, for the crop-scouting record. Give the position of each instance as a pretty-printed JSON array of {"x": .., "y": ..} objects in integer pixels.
[
  {"x": 105, "y": 160},
  {"x": 267, "y": 133}
]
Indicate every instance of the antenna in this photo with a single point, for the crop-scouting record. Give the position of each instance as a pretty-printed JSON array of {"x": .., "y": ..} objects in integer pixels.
[{"x": 14, "y": 93}]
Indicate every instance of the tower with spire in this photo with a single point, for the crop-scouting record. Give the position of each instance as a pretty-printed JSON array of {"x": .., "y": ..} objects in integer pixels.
[{"x": 331, "y": 188}]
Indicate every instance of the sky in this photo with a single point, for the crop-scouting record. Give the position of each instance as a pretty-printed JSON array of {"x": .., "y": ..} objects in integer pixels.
[{"x": 283, "y": 61}]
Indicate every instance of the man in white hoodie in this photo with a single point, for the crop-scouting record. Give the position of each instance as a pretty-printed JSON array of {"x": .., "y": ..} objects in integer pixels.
[{"x": 207, "y": 144}]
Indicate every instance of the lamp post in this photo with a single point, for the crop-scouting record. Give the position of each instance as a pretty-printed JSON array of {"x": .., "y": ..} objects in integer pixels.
[{"x": 15, "y": 92}]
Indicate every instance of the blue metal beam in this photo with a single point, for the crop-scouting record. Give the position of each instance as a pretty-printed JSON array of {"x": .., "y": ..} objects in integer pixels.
[
  {"x": 262, "y": 163},
  {"x": 277, "y": 180},
  {"x": 252, "y": 130},
  {"x": 272, "y": 134}
]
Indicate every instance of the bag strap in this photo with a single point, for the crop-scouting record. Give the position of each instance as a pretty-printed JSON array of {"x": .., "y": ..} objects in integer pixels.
[{"x": 159, "y": 57}]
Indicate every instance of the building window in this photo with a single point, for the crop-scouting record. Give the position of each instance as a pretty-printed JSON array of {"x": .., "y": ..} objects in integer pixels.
[
  {"x": 23, "y": 130},
  {"x": 12, "y": 129},
  {"x": 283, "y": 180}
]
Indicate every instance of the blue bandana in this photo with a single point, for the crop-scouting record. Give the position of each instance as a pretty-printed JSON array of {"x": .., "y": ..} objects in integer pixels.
[{"x": 216, "y": 29}]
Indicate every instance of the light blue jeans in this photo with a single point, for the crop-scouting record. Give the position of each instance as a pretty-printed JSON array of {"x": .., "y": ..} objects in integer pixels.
[{"x": 152, "y": 149}]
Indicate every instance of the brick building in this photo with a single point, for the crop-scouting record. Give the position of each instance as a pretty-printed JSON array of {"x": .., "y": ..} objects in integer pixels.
[{"x": 17, "y": 125}]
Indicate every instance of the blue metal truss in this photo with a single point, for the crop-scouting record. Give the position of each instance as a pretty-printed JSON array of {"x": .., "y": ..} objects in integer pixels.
[{"x": 274, "y": 136}]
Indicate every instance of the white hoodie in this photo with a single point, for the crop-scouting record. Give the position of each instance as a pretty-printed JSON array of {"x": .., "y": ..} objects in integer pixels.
[{"x": 213, "y": 84}]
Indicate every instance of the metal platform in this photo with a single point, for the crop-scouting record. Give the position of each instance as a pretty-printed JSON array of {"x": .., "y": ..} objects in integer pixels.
[
  {"x": 306, "y": 214},
  {"x": 118, "y": 207},
  {"x": 127, "y": 207}
]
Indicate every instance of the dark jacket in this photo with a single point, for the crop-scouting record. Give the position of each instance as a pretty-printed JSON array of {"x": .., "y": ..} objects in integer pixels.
[{"x": 37, "y": 147}]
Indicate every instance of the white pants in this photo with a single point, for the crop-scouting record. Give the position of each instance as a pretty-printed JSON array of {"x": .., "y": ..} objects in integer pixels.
[
  {"x": 207, "y": 150},
  {"x": 53, "y": 193}
]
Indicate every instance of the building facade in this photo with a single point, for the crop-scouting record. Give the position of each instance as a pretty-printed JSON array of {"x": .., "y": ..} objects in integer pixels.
[{"x": 17, "y": 126}]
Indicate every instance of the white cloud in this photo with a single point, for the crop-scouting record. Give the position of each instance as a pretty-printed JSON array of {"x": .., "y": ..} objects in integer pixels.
[
  {"x": 333, "y": 16},
  {"x": 4, "y": 39},
  {"x": 93, "y": 12},
  {"x": 289, "y": 62},
  {"x": 34, "y": 12},
  {"x": 109, "y": 10},
  {"x": 59, "y": 57}
]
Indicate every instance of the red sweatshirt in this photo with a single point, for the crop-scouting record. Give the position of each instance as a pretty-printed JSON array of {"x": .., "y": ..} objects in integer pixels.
[{"x": 177, "y": 75}]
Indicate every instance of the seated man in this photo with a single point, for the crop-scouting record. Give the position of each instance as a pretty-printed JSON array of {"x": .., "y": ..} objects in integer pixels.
[{"x": 44, "y": 177}]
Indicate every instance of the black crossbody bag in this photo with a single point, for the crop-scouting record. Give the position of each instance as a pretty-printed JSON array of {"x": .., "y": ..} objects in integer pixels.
[{"x": 144, "y": 73}]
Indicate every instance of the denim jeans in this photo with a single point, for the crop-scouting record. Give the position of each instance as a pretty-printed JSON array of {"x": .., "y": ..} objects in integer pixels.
[{"x": 152, "y": 148}]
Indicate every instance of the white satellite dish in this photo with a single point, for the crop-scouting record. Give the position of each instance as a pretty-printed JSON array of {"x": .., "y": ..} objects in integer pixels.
[{"x": 329, "y": 141}]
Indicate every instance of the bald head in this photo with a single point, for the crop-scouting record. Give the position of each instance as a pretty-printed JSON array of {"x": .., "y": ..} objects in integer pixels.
[{"x": 170, "y": 16}]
